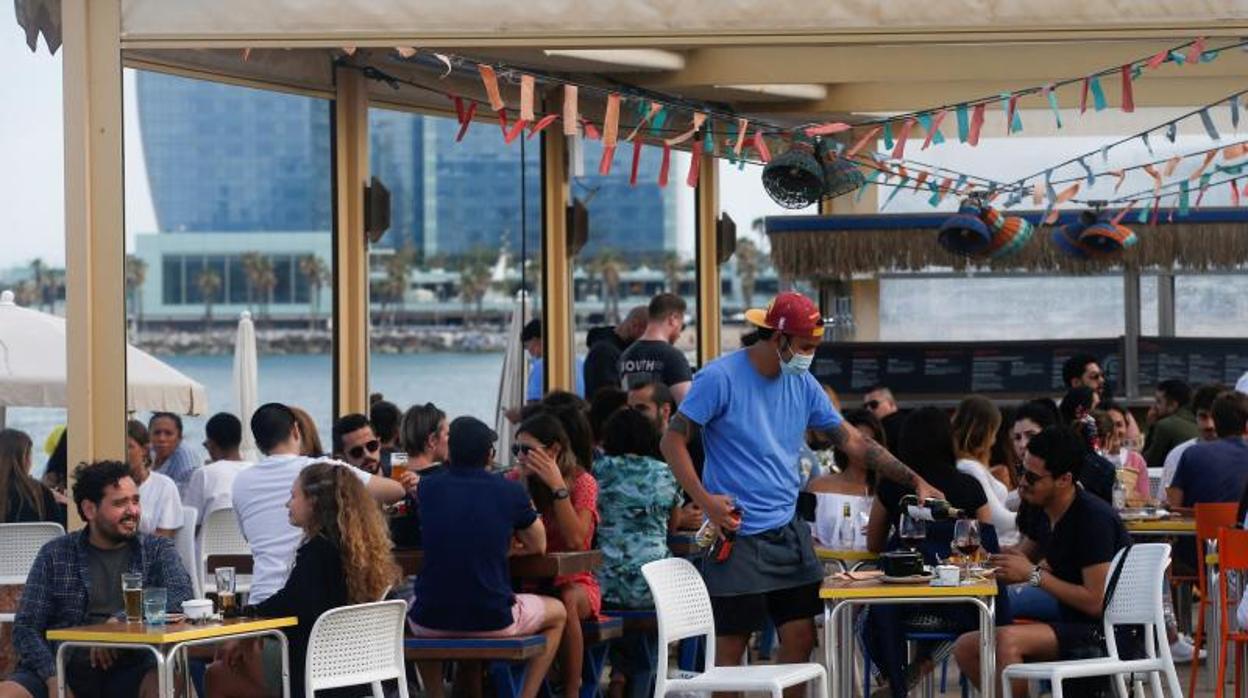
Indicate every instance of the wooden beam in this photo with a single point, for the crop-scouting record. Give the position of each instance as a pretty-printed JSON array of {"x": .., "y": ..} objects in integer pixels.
[
  {"x": 350, "y": 283},
  {"x": 557, "y": 319},
  {"x": 95, "y": 243},
  {"x": 706, "y": 219}
]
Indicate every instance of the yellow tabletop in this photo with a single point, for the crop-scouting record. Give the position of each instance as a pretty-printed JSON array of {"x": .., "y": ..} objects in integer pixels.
[
  {"x": 838, "y": 589},
  {"x": 142, "y": 633},
  {"x": 846, "y": 555},
  {"x": 1177, "y": 526}
]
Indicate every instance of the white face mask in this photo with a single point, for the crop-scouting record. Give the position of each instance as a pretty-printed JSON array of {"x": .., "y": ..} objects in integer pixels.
[{"x": 797, "y": 364}]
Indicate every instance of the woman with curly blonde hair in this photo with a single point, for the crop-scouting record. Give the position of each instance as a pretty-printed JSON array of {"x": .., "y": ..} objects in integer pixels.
[{"x": 345, "y": 558}]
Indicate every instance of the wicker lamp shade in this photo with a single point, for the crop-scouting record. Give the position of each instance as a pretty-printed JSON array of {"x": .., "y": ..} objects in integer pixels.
[
  {"x": 966, "y": 233},
  {"x": 795, "y": 178},
  {"x": 1106, "y": 238},
  {"x": 841, "y": 177}
]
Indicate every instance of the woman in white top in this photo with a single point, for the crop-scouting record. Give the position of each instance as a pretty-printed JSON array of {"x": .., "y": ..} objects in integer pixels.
[
  {"x": 975, "y": 426},
  {"x": 852, "y": 486},
  {"x": 158, "y": 495}
]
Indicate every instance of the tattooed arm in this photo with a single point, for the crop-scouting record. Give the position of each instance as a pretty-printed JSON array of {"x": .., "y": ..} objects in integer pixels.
[
  {"x": 877, "y": 458},
  {"x": 675, "y": 448}
]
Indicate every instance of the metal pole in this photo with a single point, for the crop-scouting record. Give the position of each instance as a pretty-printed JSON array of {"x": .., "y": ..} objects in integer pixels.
[
  {"x": 1131, "y": 325},
  {"x": 1165, "y": 304}
]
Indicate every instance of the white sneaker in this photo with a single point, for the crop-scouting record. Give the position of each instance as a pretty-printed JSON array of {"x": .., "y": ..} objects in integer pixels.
[{"x": 1182, "y": 650}]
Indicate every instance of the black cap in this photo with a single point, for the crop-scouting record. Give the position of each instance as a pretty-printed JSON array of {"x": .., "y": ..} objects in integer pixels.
[
  {"x": 532, "y": 330},
  {"x": 470, "y": 442}
]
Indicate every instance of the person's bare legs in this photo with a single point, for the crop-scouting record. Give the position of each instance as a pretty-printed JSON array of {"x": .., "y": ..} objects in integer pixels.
[
  {"x": 555, "y": 617},
  {"x": 797, "y": 639},
  {"x": 729, "y": 649},
  {"x": 571, "y": 653},
  {"x": 1015, "y": 644},
  {"x": 13, "y": 689},
  {"x": 430, "y": 671},
  {"x": 246, "y": 680},
  {"x": 149, "y": 687}
]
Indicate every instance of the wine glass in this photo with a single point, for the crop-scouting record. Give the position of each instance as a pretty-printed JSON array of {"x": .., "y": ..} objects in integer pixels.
[
  {"x": 966, "y": 540},
  {"x": 912, "y": 531}
]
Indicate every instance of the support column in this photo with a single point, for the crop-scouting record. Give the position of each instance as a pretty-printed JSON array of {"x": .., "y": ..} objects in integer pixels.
[
  {"x": 862, "y": 321},
  {"x": 707, "y": 254},
  {"x": 558, "y": 346},
  {"x": 350, "y": 171},
  {"x": 95, "y": 243},
  {"x": 1131, "y": 325},
  {"x": 1165, "y": 305}
]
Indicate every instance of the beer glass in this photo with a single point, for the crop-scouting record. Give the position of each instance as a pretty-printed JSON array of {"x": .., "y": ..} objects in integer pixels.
[
  {"x": 132, "y": 590},
  {"x": 398, "y": 465},
  {"x": 225, "y": 591}
]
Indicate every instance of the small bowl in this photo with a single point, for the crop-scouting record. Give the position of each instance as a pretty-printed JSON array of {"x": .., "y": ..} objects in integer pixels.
[{"x": 197, "y": 609}]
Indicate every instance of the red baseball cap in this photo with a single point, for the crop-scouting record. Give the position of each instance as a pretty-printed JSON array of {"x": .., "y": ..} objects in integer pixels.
[{"x": 790, "y": 313}]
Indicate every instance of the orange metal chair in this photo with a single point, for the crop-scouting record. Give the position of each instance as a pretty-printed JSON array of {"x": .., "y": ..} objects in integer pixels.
[
  {"x": 1232, "y": 556},
  {"x": 1210, "y": 519}
]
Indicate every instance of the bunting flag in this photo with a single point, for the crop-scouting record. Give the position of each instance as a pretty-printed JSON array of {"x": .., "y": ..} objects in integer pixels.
[
  {"x": 591, "y": 131},
  {"x": 977, "y": 124},
  {"x": 1013, "y": 120},
  {"x": 695, "y": 164},
  {"x": 1235, "y": 112},
  {"x": 465, "y": 117},
  {"x": 611, "y": 121},
  {"x": 1172, "y": 130},
  {"x": 964, "y": 123},
  {"x": 708, "y": 138},
  {"x": 1156, "y": 209},
  {"x": 1196, "y": 53},
  {"x": 899, "y": 151},
  {"x": 541, "y": 124},
  {"x": 637, "y": 162},
  {"x": 646, "y": 118},
  {"x": 1128, "y": 98},
  {"x": 1158, "y": 58},
  {"x": 1142, "y": 216},
  {"x": 896, "y": 190},
  {"x": 405, "y": 51},
  {"x": 247, "y": 55},
  {"x": 1234, "y": 193},
  {"x": 1051, "y": 95},
  {"x": 1122, "y": 214},
  {"x": 445, "y": 60},
  {"x": 921, "y": 179},
  {"x": 1098, "y": 93},
  {"x": 742, "y": 128},
  {"x": 1122, "y": 177},
  {"x": 490, "y": 81},
  {"x": 571, "y": 113},
  {"x": 1152, "y": 172},
  {"x": 1067, "y": 194},
  {"x": 1184, "y": 193},
  {"x": 665, "y": 164},
  {"x": 1209, "y": 156},
  {"x": 760, "y": 144},
  {"x": 931, "y": 125},
  {"x": 527, "y": 83},
  {"x": 656, "y": 126},
  {"x": 1148, "y": 145},
  {"x": 1204, "y": 187},
  {"x": 698, "y": 119},
  {"x": 608, "y": 158},
  {"x": 889, "y": 142},
  {"x": 1207, "y": 120},
  {"x": 1171, "y": 165},
  {"x": 870, "y": 135},
  {"x": 1083, "y": 97},
  {"x": 1037, "y": 193},
  {"x": 827, "y": 129},
  {"x": 1091, "y": 175}
]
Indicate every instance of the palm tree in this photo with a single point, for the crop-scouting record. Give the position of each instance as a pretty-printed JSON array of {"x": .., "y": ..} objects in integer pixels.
[
  {"x": 316, "y": 272},
  {"x": 209, "y": 284},
  {"x": 251, "y": 263},
  {"x": 672, "y": 268},
  {"x": 136, "y": 275},
  {"x": 398, "y": 274},
  {"x": 474, "y": 283},
  {"x": 39, "y": 275},
  {"x": 610, "y": 266},
  {"x": 747, "y": 269}
]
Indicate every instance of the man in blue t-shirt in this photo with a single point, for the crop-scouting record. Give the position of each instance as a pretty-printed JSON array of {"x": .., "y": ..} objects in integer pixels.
[
  {"x": 1215, "y": 471},
  {"x": 754, "y": 407},
  {"x": 470, "y": 518}
]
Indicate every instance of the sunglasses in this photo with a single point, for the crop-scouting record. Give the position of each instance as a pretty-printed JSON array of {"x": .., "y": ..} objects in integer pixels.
[
  {"x": 370, "y": 446},
  {"x": 871, "y": 404},
  {"x": 521, "y": 449},
  {"x": 1032, "y": 478}
]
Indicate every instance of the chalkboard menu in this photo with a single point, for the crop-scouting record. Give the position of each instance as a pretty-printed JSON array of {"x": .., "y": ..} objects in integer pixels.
[
  {"x": 1196, "y": 360},
  {"x": 954, "y": 369}
]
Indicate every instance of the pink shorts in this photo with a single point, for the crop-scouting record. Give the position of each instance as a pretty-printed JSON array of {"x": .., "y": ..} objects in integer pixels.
[{"x": 527, "y": 615}]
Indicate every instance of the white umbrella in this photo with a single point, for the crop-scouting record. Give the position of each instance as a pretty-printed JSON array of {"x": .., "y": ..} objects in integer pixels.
[
  {"x": 246, "y": 382},
  {"x": 514, "y": 377},
  {"x": 32, "y": 368}
]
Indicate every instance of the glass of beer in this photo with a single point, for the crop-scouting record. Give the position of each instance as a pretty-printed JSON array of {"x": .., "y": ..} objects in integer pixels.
[
  {"x": 132, "y": 590},
  {"x": 225, "y": 592},
  {"x": 398, "y": 465}
]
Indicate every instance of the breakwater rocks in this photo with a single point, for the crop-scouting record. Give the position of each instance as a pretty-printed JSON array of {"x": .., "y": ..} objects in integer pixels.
[{"x": 288, "y": 341}]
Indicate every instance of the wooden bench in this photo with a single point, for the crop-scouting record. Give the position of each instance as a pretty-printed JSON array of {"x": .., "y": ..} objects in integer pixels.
[{"x": 508, "y": 657}]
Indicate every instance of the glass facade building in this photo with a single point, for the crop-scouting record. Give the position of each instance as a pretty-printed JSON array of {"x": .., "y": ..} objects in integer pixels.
[{"x": 223, "y": 158}]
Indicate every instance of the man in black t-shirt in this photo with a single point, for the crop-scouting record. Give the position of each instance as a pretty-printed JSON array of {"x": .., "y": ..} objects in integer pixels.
[
  {"x": 652, "y": 358},
  {"x": 1082, "y": 536},
  {"x": 606, "y": 344}
]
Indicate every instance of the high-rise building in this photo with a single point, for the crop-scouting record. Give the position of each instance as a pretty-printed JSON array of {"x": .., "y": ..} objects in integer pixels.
[{"x": 222, "y": 158}]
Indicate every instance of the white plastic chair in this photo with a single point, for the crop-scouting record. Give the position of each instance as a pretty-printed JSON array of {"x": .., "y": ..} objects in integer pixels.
[
  {"x": 1137, "y": 601},
  {"x": 361, "y": 644},
  {"x": 184, "y": 541},
  {"x": 683, "y": 608},
  {"x": 19, "y": 544},
  {"x": 221, "y": 535}
]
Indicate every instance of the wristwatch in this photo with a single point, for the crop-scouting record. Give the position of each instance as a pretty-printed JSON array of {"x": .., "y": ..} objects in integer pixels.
[
  {"x": 561, "y": 493},
  {"x": 1034, "y": 579}
]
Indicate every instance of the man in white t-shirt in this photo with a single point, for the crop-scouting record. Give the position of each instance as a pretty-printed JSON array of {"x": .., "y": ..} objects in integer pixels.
[
  {"x": 210, "y": 487},
  {"x": 260, "y": 494},
  {"x": 161, "y": 506},
  {"x": 1202, "y": 403}
]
